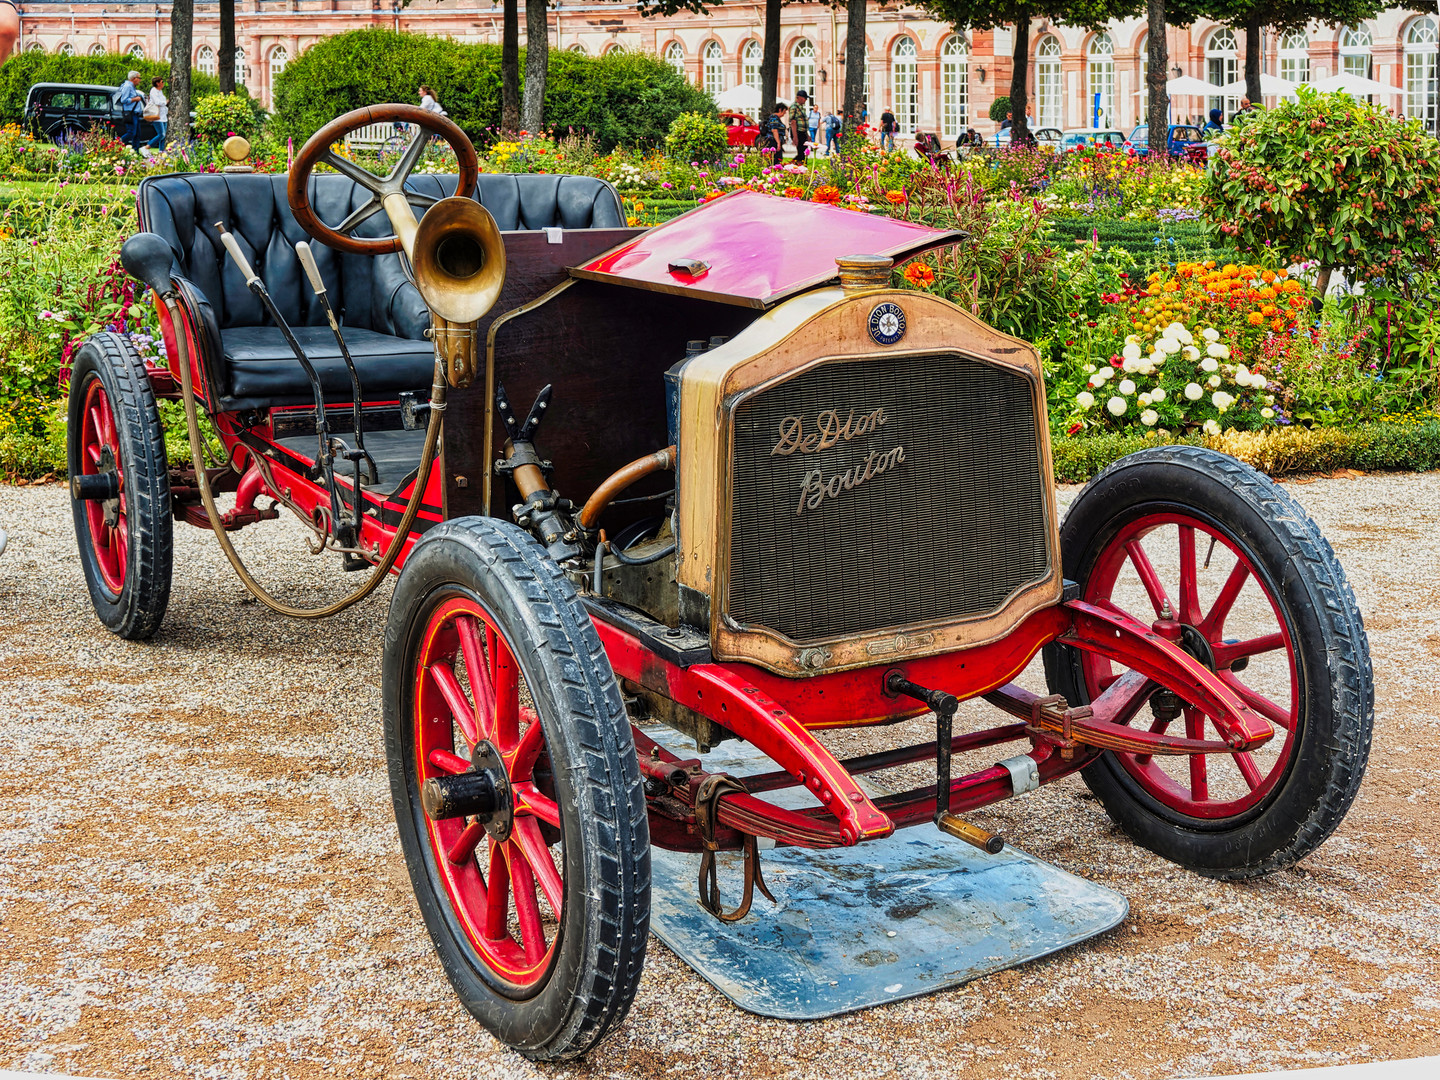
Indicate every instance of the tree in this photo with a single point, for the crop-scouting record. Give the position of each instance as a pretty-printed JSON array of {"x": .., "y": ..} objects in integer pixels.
[
  {"x": 225, "y": 65},
  {"x": 988, "y": 14},
  {"x": 1158, "y": 113},
  {"x": 537, "y": 61},
  {"x": 1331, "y": 180},
  {"x": 854, "y": 63},
  {"x": 182, "y": 26},
  {"x": 510, "y": 69},
  {"x": 1252, "y": 16},
  {"x": 770, "y": 59}
]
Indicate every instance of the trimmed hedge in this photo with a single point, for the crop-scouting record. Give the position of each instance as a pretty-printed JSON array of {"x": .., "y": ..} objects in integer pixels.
[
  {"x": 625, "y": 98},
  {"x": 1182, "y": 239},
  {"x": 24, "y": 70}
]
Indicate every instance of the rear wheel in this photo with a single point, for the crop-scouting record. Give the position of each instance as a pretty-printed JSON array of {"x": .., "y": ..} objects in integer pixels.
[
  {"x": 516, "y": 789},
  {"x": 1265, "y": 605},
  {"x": 116, "y": 452}
]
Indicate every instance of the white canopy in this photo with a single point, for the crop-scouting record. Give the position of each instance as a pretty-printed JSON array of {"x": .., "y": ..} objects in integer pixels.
[
  {"x": 743, "y": 98},
  {"x": 1187, "y": 86},
  {"x": 1354, "y": 85},
  {"x": 1270, "y": 86}
]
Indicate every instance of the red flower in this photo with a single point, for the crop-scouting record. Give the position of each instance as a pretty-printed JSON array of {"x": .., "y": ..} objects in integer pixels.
[{"x": 1073, "y": 428}]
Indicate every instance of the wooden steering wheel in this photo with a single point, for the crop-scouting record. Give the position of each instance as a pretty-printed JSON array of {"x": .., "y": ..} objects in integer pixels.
[{"x": 317, "y": 150}]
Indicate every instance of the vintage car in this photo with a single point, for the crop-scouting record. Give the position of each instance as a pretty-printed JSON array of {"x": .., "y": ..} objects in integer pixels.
[
  {"x": 740, "y": 130},
  {"x": 1182, "y": 141},
  {"x": 701, "y": 477},
  {"x": 59, "y": 111},
  {"x": 1079, "y": 138}
]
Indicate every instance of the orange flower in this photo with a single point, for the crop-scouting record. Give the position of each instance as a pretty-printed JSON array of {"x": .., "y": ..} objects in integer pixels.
[
  {"x": 1278, "y": 325},
  {"x": 794, "y": 193},
  {"x": 710, "y": 195},
  {"x": 1268, "y": 276},
  {"x": 920, "y": 275},
  {"x": 1255, "y": 318},
  {"x": 1268, "y": 310},
  {"x": 827, "y": 194},
  {"x": 896, "y": 197}
]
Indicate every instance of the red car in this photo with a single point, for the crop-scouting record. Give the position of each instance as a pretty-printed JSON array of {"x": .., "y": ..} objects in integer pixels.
[{"x": 740, "y": 130}]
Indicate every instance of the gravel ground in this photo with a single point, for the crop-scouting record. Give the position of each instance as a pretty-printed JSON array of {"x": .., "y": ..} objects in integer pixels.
[{"x": 199, "y": 872}]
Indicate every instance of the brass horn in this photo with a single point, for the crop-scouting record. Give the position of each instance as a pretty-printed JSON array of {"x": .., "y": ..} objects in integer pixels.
[{"x": 458, "y": 258}]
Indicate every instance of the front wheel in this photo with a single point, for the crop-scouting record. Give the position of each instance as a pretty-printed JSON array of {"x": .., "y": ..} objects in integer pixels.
[
  {"x": 516, "y": 787},
  {"x": 1265, "y": 604}
]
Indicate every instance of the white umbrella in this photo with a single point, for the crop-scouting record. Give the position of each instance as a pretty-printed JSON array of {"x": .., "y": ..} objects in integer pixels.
[
  {"x": 1354, "y": 85},
  {"x": 1189, "y": 86},
  {"x": 1270, "y": 86},
  {"x": 743, "y": 98}
]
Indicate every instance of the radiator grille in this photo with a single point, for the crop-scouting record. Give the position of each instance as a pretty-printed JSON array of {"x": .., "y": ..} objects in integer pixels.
[{"x": 946, "y": 527}]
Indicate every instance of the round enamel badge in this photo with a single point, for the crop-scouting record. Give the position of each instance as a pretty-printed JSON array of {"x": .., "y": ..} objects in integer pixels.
[{"x": 887, "y": 323}]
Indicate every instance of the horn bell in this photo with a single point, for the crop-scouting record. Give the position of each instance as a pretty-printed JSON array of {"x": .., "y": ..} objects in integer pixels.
[{"x": 458, "y": 259}]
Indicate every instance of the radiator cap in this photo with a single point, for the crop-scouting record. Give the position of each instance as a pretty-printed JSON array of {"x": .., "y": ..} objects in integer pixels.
[{"x": 864, "y": 273}]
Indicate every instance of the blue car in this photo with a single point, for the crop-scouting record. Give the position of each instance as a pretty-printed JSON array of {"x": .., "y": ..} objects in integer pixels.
[{"x": 1184, "y": 141}]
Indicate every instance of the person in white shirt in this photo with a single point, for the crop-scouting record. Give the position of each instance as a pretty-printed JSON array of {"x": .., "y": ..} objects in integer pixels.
[
  {"x": 160, "y": 105},
  {"x": 428, "y": 102}
]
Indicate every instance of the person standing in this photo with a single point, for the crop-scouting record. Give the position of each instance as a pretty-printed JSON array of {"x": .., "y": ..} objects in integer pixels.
[
  {"x": 771, "y": 138},
  {"x": 159, "y": 106},
  {"x": 832, "y": 133},
  {"x": 428, "y": 102},
  {"x": 800, "y": 125},
  {"x": 887, "y": 129},
  {"x": 132, "y": 104},
  {"x": 814, "y": 120}
]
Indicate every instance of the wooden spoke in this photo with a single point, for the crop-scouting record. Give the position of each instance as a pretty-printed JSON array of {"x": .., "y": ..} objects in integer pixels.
[
  {"x": 1148, "y": 577},
  {"x": 1213, "y": 625},
  {"x": 527, "y": 835},
  {"x": 529, "y": 800},
  {"x": 1189, "y": 610},
  {"x": 1199, "y": 782},
  {"x": 466, "y": 843},
  {"x": 527, "y": 907},
  {"x": 477, "y": 666},
  {"x": 505, "y": 678},
  {"x": 1248, "y": 769},
  {"x": 456, "y": 701},
  {"x": 1280, "y": 717},
  {"x": 1227, "y": 653},
  {"x": 447, "y": 762},
  {"x": 497, "y": 895}
]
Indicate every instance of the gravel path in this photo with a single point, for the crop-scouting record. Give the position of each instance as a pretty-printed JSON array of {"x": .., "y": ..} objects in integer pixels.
[{"x": 199, "y": 873}]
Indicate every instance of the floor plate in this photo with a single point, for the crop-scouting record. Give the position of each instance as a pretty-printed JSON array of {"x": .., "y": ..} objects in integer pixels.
[{"x": 857, "y": 927}]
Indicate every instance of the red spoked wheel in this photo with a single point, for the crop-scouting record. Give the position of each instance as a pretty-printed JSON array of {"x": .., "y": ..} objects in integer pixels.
[
  {"x": 1177, "y": 566},
  {"x": 119, "y": 486},
  {"x": 1196, "y": 537},
  {"x": 516, "y": 788},
  {"x": 499, "y": 872}
]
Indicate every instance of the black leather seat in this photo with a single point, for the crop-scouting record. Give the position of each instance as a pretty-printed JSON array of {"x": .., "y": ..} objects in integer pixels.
[{"x": 381, "y": 312}]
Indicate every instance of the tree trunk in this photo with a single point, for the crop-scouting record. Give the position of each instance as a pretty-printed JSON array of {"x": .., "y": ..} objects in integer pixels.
[
  {"x": 1019, "y": 129},
  {"x": 182, "y": 25},
  {"x": 770, "y": 59},
  {"x": 1322, "y": 281},
  {"x": 510, "y": 69},
  {"x": 1158, "y": 114},
  {"x": 854, "y": 64},
  {"x": 537, "y": 60},
  {"x": 1253, "y": 56},
  {"x": 225, "y": 62}
]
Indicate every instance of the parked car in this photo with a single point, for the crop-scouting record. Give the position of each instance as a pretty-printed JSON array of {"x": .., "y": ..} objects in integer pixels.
[
  {"x": 56, "y": 111},
  {"x": 740, "y": 130},
  {"x": 1184, "y": 141},
  {"x": 1048, "y": 137},
  {"x": 1078, "y": 137}
]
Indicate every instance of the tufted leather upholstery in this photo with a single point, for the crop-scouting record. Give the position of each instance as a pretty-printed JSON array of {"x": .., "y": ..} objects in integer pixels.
[{"x": 381, "y": 312}]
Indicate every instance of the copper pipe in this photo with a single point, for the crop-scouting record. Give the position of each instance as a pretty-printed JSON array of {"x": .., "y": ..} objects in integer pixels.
[
  {"x": 622, "y": 479},
  {"x": 528, "y": 478}
]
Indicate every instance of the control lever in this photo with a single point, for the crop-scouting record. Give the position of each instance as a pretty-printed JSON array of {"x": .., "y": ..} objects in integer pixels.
[
  {"x": 344, "y": 532},
  {"x": 359, "y": 454},
  {"x": 543, "y": 512}
]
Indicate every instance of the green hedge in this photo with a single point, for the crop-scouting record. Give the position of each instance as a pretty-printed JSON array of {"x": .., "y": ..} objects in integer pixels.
[
  {"x": 1181, "y": 239},
  {"x": 24, "y": 70},
  {"x": 624, "y": 98}
]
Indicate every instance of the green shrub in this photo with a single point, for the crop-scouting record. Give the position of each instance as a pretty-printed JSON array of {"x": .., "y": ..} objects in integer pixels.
[
  {"x": 999, "y": 108},
  {"x": 218, "y": 116},
  {"x": 24, "y": 70},
  {"x": 621, "y": 98},
  {"x": 695, "y": 137}
]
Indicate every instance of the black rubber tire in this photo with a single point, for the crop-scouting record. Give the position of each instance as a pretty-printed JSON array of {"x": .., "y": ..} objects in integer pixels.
[
  {"x": 137, "y": 610},
  {"x": 1336, "y": 687},
  {"x": 605, "y": 920}
]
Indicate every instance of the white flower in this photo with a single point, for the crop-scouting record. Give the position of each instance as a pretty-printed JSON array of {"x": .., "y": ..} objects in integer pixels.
[
  {"x": 1269, "y": 399},
  {"x": 1213, "y": 382},
  {"x": 1149, "y": 418},
  {"x": 1210, "y": 334},
  {"x": 1145, "y": 399},
  {"x": 1209, "y": 364},
  {"x": 1218, "y": 350},
  {"x": 1101, "y": 376},
  {"x": 1085, "y": 399},
  {"x": 1221, "y": 400},
  {"x": 1116, "y": 405},
  {"x": 1167, "y": 346},
  {"x": 1186, "y": 338},
  {"x": 1147, "y": 368},
  {"x": 1267, "y": 413},
  {"x": 1190, "y": 353},
  {"x": 1211, "y": 428},
  {"x": 1158, "y": 394},
  {"x": 1131, "y": 352},
  {"x": 1176, "y": 330},
  {"x": 1090, "y": 369},
  {"x": 1130, "y": 365},
  {"x": 1193, "y": 391},
  {"x": 1127, "y": 387},
  {"x": 1132, "y": 339}
]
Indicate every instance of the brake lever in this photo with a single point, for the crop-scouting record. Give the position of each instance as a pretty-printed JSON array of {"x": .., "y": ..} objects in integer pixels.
[{"x": 537, "y": 413}]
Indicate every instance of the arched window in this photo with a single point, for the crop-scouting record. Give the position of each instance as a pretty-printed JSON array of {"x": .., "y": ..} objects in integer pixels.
[
  {"x": 714, "y": 64},
  {"x": 205, "y": 61},
  {"x": 905, "y": 78},
  {"x": 614, "y": 49},
  {"x": 1100, "y": 82},
  {"x": 1142, "y": 51},
  {"x": 1355, "y": 51},
  {"x": 1294, "y": 56},
  {"x": 275, "y": 61},
  {"x": 239, "y": 67},
  {"x": 1221, "y": 68},
  {"x": 578, "y": 48},
  {"x": 35, "y": 46},
  {"x": 802, "y": 68},
  {"x": 1047, "y": 82},
  {"x": 137, "y": 51},
  {"x": 1421, "y": 91},
  {"x": 750, "y": 64},
  {"x": 169, "y": 51},
  {"x": 98, "y": 49},
  {"x": 65, "y": 49},
  {"x": 954, "y": 86},
  {"x": 675, "y": 57}
]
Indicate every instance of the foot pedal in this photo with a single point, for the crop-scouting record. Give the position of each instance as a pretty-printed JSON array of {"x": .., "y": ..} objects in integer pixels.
[
  {"x": 971, "y": 834},
  {"x": 349, "y": 562}
]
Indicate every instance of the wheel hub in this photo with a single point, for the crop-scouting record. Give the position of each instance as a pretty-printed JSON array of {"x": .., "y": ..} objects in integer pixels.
[
  {"x": 483, "y": 793},
  {"x": 109, "y": 508}
]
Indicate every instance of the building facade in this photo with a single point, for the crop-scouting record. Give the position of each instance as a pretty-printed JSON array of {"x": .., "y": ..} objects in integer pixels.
[{"x": 930, "y": 76}]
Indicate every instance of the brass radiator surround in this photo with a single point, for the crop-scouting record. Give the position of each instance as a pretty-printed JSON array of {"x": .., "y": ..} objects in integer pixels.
[{"x": 817, "y": 329}]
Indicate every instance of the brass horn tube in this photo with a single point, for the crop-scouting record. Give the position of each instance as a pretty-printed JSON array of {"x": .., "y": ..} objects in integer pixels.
[{"x": 620, "y": 480}]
